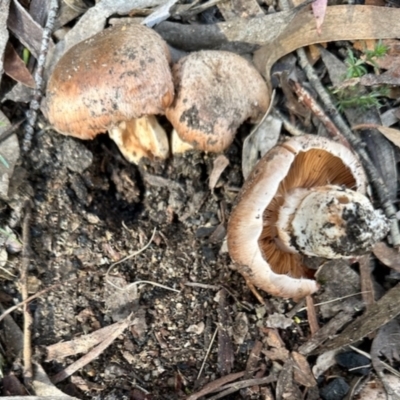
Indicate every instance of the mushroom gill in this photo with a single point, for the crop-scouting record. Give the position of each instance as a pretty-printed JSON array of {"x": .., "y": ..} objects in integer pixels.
[{"x": 312, "y": 168}]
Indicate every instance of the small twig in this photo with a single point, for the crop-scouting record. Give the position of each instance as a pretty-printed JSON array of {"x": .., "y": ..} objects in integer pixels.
[
  {"x": 202, "y": 285},
  {"x": 208, "y": 353},
  {"x": 306, "y": 98},
  {"x": 23, "y": 281},
  {"x": 37, "y": 93},
  {"x": 128, "y": 257},
  {"x": 137, "y": 282},
  {"x": 312, "y": 316},
  {"x": 149, "y": 283},
  {"x": 10, "y": 130},
  {"x": 332, "y": 301},
  {"x": 214, "y": 385},
  {"x": 234, "y": 387}
]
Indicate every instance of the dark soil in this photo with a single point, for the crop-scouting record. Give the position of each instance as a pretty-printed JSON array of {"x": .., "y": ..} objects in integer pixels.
[{"x": 91, "y": 208}]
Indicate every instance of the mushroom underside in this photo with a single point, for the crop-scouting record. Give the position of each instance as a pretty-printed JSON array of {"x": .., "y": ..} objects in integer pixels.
[{"x": 311, "y": 168}]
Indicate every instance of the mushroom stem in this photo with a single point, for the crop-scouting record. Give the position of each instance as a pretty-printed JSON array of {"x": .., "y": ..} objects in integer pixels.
[
  {"x": 329, "y": 221},
  {"x": 141, "y": 138},
  {"x": 179, "y": 146}
]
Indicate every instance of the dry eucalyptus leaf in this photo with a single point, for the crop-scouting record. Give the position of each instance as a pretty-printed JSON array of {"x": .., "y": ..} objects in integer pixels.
[
  {"x": 391, "y": 134},
  {"x": 219, "y": 165},
  {"x": 301, "y": 30},
  {"x": 387, "y": 255},
  {"x": 28, "y": 31},
  {"x": 390, "y": 117},
  {"x": 391, "y": 77},
  {"x": 45, "y": 388},
  {"x": 261, "y": 139},
  {"x": 386, "y": 346},
  {"x": 15, "y": 68},
  {"x": 276, "y": 320},
  {"x": 372, "y": 390},
  {"x": 302, "y": 371}
]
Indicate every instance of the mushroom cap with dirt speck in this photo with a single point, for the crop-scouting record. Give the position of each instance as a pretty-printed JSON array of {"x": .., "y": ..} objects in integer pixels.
[
  {"x": 118, "y": 75},
  {"x": 276, "y": 221},
  {"x": 216, "y": 91}
]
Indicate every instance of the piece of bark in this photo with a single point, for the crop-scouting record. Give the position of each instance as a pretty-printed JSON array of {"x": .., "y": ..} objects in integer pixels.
[
  {"x": 286, "y": 387},
  {"x": 327, "y": 331},
  {"x": 379, "y": 314},
  {"x": 367, "y": 286}
]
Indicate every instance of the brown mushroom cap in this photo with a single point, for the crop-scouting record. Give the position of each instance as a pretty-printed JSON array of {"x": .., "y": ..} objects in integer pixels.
[
  {"x": 120, "y": 74},
  {"x": 253, "y": 243},
  {"x": 216, "y": 91}
]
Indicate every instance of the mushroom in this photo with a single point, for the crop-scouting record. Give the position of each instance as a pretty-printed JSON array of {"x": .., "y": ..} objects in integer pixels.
[
  {"x": 115, "y": 81},
  {"x": 305, "y": 197},
  {"x": 216, "y": 91}
]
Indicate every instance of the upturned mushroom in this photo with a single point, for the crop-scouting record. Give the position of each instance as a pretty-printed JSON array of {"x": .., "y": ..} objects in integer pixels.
[
  {"x": 116, "y": 81},
  {"x": 216, "y": 91},
  {"x": 305, "y": 197}
]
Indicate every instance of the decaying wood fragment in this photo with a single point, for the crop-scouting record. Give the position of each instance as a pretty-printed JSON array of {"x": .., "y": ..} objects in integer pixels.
[{"x": 379, "y": 314}]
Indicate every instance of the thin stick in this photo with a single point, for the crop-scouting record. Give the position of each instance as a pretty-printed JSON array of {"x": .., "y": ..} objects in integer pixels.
[
  {"x": 28, "y": 320},
  {"x": 332, "y": 300},
  {"x": 38, "y": 91},
  {"x": 208, "y": 353},
  {"x": 131, "y": 255},
  {"x": 234, "y": 387}
]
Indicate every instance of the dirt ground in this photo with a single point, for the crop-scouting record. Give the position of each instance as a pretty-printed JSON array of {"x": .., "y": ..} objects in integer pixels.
[
  {"x": 137, "y": 255},
  {"x": 91, "y": 208}
]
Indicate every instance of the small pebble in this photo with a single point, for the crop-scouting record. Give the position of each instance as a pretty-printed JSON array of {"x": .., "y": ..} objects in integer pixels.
[
  {"x": 335, "y": 390},
  {"x": 352, "y": 361}
]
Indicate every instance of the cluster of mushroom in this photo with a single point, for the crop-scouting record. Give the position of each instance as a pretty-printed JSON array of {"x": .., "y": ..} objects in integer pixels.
[
  {"x": 120, "y": 79},
  {"x": 306, "y": 197}
]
